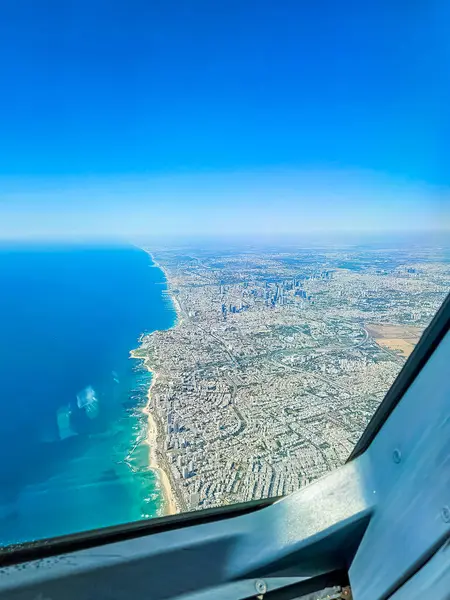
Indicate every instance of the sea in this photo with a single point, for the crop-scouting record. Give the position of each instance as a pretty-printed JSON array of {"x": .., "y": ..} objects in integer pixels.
[{"x": 73, "y": 456}]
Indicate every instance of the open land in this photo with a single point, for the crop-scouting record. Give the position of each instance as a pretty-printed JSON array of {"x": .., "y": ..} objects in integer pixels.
[
  {"x": 277, "y": 362},
  {"x": 396, "y": 337}
]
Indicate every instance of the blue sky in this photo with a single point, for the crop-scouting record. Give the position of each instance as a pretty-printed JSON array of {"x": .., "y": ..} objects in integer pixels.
[{"x": 206, "y": 117}]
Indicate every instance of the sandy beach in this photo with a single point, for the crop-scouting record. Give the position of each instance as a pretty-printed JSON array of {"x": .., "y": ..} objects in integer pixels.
[{"x": 170, "y": 505}]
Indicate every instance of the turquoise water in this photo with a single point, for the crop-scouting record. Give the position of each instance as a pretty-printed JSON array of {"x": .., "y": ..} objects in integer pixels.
[{"x": 70, "y": 407}]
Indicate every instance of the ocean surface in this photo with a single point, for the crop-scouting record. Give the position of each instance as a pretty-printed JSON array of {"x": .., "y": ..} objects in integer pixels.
[{"x": 70, "y": 395}]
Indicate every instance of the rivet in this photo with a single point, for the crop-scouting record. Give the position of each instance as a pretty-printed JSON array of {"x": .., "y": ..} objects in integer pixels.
[
  {"x": 260, "y": 586},
  {"x": 445, "y": 512}
]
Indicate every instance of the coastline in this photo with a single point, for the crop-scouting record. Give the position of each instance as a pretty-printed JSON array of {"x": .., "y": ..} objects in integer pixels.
[
  {"x": 174, "y": 300},
  {"x": 170, "y": 503},
  {"x": 154, "y": 427}
]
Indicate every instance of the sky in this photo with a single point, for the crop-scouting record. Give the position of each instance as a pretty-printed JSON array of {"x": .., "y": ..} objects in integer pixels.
[{"x": 201, "y": 117}]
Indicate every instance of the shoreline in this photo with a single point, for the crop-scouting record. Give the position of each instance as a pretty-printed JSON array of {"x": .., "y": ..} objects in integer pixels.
[
  {"x": 170, "y": 504},
  {"x": 176, "y": 304}
]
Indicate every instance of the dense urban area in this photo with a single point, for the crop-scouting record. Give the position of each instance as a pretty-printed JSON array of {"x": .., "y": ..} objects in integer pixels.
[{"x": 278, "y": 360}]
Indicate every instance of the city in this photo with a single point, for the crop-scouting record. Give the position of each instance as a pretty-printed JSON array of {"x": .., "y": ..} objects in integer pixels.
[{"x": 278, "y": 360}]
